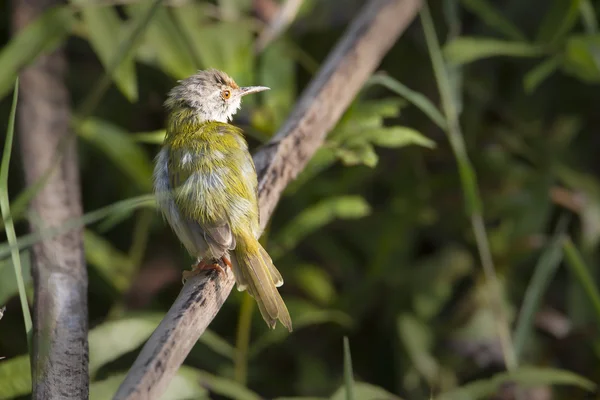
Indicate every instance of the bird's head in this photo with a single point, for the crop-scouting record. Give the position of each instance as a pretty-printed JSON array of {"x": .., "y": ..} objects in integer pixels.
[{"x": 211, "y": 94}]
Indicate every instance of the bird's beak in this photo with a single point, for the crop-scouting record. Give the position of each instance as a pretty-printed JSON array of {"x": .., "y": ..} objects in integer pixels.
[{"x": 252, "y": 89}]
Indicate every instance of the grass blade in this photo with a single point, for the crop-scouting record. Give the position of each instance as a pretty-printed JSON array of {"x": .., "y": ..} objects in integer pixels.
[
  {"x": 26, "y": 241},
  {"x": 468, "y": 181},
  {"x": 581, "y": 271},
  {"x": 543, "y": 273},
  {"x": 8, "y": 223},
  {"x": 416, "y": 98},
  {"x": 493, "y": 18},
  {"x": 348, "y": 374},
  {"x": 243, "y": 339}
]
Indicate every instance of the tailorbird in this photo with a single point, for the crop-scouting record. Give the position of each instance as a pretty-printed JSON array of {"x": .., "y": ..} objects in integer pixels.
[{"x": 206, "y": 188}]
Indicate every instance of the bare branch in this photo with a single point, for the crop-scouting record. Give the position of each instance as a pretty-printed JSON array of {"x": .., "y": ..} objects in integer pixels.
[
  {"x": 60, "y": 323},
  {"x": 354, "y": 59}
]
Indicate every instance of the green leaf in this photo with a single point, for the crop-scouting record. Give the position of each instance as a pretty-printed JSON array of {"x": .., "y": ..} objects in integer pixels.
[
  {"x": 315, "y": 282},
  {"x": 397, "y": 136},
  {"x": 582, "y": 58},
  {"x": 105, "y": 29},
  {"x": 465, "y": 50},
  {"x": 15, "y": 377},
  {"x": 493, "y": 18},
  {"x": 223, "y": 386},
  {"x": 417, "y": 341},
  {"x": 166, "y": 42},
  {"x": 315, "y": 217},
  {"x": 110, "y": 340},
  {"x": 113, "y": 264},
  {"x": 156, "y": 137},
  {"x": 185, "y": 385},
  {"x": 365, "y": 391},
  {"x": 525, "y": 376},
  {"x": 540, "y": 73},
  {"x": 362, "y": 154},
  {"x": 118, "y": 145},
  {"x": 42, "y": 35}
]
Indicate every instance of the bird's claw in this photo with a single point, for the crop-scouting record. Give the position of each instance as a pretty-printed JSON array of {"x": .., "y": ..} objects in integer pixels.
[{"x": 200, "y": 267}]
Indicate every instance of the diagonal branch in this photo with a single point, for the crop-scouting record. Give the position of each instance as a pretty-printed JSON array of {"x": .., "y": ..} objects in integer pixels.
[{"x": 349, "y": 65}]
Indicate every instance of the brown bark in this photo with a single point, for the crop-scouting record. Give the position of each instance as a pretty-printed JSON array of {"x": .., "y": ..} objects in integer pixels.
[
  {"x": 350, "y": 64},
  {"x": 60, "y": 320}
]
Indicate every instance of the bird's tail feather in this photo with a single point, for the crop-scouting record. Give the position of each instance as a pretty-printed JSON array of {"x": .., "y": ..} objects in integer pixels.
[{"x": 254, "y": 271}]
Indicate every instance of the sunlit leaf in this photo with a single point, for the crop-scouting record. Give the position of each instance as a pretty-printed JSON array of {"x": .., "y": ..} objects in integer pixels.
[
  {"x": 110, "y": 340},
  {"x": 40, "y": 36},
  {"x": 396, "y": 136},
  {"x": 156, "y": 137},
  {"x": 117, "y": 145},
  {"x": 465, "y": 50},
  {"x": 104, "y": 29}
]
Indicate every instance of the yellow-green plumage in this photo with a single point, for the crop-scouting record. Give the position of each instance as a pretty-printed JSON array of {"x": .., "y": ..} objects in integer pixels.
[{"x": 206, "y": 186}]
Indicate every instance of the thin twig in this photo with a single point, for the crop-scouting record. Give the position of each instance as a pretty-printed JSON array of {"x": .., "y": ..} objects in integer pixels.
[{"x": 349, "y": 65}]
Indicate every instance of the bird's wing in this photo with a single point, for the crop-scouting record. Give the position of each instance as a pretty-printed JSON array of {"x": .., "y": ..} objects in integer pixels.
[{"x": 212, "y": 231}]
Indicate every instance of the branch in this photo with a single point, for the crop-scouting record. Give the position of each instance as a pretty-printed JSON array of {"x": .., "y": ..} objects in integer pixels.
[
  {"x": 350, "y": 64},
  {"x": 60, "y": 318}
]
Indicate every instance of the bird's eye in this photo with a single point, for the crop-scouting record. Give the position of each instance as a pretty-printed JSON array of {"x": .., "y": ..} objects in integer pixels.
[{"x": 226, "y": 94}]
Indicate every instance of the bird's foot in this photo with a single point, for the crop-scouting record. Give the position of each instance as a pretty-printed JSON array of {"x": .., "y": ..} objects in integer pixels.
[
  {"x": 227, "y": 262},
  {"x": 200, "y": 267}
]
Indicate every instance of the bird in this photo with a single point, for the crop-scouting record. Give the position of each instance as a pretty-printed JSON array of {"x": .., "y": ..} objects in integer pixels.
[{"x": 205, "y": 184}]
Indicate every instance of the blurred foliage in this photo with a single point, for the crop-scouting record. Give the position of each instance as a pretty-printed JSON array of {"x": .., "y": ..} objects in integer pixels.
[{"x": 372, "y": 237}]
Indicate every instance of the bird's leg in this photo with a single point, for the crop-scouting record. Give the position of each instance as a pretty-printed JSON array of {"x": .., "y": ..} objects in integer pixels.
[
  {"x": 202, "y": 266},
  {"x": 227, "y": 262}
]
